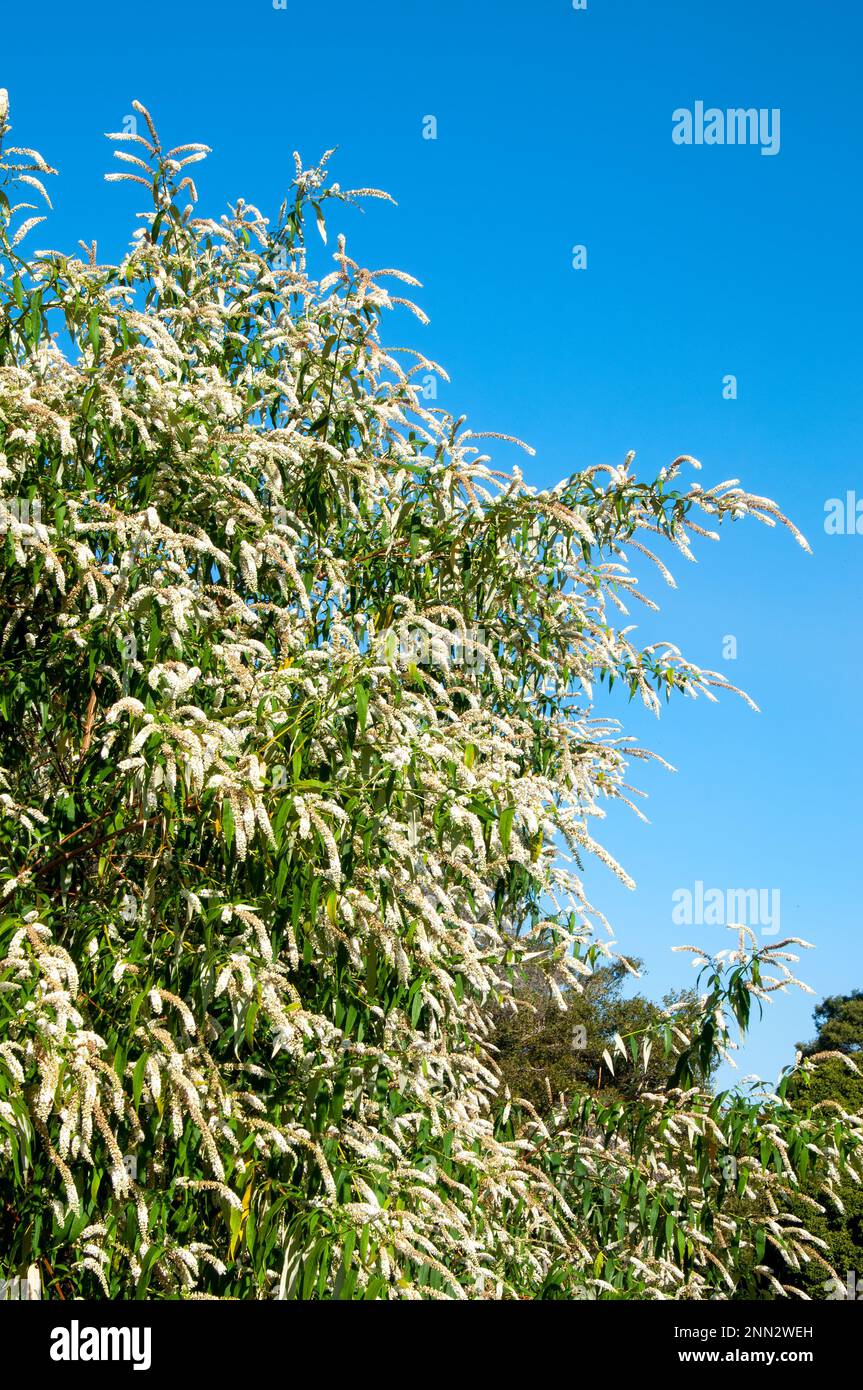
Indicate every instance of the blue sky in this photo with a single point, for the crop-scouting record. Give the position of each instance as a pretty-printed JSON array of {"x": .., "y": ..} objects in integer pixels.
[{"x": 554, "y": 130}]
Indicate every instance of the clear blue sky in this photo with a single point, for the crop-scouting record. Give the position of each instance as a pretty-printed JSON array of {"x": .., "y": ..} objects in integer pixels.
[{"x": 554, "y": 129}]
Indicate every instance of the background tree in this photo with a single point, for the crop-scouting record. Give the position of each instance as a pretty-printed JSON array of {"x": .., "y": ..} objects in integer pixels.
[
  {"x": 839, "y": 1026},
  {"x": 543, "y": 1052},
  {"x": 836, "y": 1089}
]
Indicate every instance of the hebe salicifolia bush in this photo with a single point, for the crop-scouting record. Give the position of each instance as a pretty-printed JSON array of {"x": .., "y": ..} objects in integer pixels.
[{"x": 264, "y": 874}]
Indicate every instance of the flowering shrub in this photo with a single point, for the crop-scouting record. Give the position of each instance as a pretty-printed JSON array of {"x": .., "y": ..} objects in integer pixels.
[{"x": 267, "y": 860}]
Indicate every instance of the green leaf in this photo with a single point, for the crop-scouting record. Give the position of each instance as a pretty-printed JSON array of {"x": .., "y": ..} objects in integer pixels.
[
  {"x": 507, "y": 816},
  {"x": 138, "y": 1079},
  {"x": 362, "y": 699}
]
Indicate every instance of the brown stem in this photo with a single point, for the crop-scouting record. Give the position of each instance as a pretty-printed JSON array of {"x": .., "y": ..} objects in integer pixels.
[
  {"x": 89, "y": 719},
  {"x": 92, "y": 844}
]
